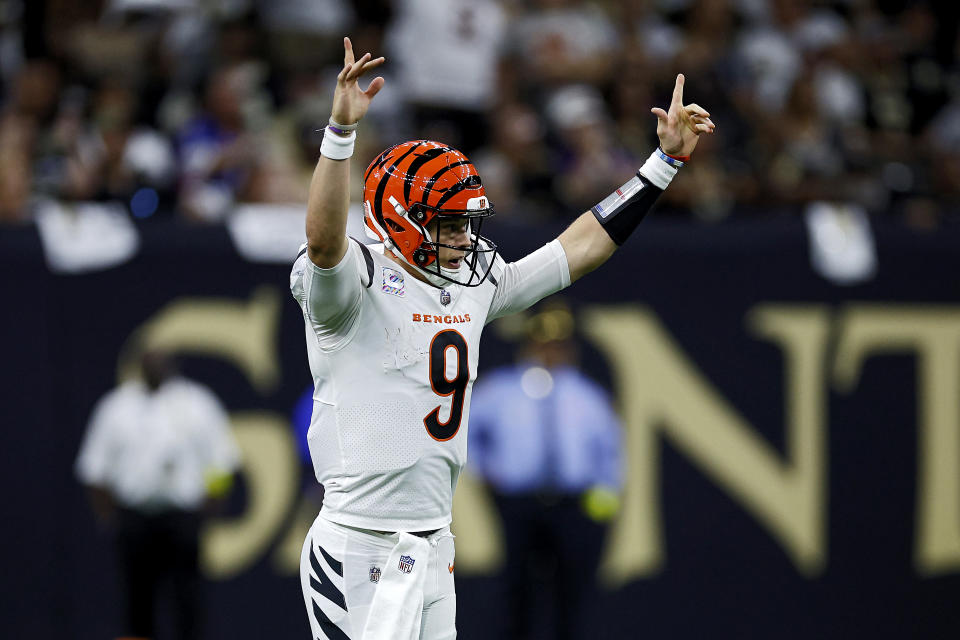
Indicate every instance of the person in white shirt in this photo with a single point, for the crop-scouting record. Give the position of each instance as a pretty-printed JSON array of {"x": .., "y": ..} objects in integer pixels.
[
  {"x": 392, "y": 335},
  {"x": 448, "y": 80},
  {"x": 157, "y": 451}
]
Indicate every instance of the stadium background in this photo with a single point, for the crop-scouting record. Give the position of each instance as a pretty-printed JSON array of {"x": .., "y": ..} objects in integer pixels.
[{"x": 790, "y": 387}]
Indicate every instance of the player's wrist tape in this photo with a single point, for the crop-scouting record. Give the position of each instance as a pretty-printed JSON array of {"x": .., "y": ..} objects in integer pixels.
[
  {"x": 623, "y": 210},
  {"x": 673, "y": 161},
  {"x": 658, "y": 171},
  {"x": 337, "y": 147},
  {"x": 342, "y": 128}
]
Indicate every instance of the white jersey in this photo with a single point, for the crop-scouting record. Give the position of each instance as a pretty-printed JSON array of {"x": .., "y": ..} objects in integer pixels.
[{"x": 393, "y": 361}]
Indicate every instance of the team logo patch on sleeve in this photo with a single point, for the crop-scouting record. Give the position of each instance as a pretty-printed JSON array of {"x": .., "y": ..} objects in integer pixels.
[
  {"x": 392, "y": 282},
  {"x": 406, "y": 564}
]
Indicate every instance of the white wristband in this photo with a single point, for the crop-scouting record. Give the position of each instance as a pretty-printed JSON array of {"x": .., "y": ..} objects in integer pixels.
[
  {"x": 658, "y": 172},
  {"x": 337, "y": 147}
]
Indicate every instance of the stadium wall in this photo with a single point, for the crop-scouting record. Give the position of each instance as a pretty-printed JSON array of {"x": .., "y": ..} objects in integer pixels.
[{"x": 793, "y": 444}]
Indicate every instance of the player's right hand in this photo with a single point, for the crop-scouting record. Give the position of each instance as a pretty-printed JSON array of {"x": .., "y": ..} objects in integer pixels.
[{"x": 350, "y": 103}]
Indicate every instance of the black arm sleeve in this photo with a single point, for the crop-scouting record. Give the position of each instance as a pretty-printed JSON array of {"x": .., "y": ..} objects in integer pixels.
[{"x": 624, "y": 209}]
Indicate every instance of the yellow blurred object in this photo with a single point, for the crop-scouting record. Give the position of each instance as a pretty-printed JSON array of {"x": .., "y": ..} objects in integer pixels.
[
  {"x": 553, "y": 322},
  {"x": 600, "y": 504},
  {"x": 218, "y": 482}
]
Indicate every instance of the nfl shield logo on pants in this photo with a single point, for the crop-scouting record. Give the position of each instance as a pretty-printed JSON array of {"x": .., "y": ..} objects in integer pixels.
[{"x": 406, "y": 564}]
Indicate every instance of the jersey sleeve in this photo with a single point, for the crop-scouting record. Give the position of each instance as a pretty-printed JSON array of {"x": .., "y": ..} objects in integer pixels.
[
  {"x": 330, "y": 298},
  {"x": 526, "y": 281}
]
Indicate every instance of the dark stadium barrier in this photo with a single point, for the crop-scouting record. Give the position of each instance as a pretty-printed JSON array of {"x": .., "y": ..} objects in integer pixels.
[{"x": 793, "y": 445}]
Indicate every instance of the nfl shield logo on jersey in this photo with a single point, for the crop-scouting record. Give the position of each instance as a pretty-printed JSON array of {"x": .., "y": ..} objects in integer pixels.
[
  {"x": 374, "y": 574},
  {"x": 406, "y": 564},
  {"x": 444, "y": 297}
]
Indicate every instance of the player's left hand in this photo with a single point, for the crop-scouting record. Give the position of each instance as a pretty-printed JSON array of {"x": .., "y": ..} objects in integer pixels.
[{"x": 680, "y": 127}]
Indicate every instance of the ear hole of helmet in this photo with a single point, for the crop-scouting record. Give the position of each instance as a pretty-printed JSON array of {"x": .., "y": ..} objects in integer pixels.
[{"x": 395, "y": 226}]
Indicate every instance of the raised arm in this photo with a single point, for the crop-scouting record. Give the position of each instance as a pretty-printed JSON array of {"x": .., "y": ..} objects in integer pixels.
[
  {"x": 596, "y": 234},
  {"x": 329, "y": 197}
]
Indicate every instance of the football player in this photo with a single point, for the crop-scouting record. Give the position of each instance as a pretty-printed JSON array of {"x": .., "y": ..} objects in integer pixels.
[{"x": 393, "y": 333}]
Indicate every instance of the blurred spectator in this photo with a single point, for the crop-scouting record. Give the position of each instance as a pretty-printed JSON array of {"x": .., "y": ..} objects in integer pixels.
[
  {"x": 516, "y": 165},
  {"x": 67, "y": 153},
  {"x": 16, "y": 140},
  {"x": 156, "y": 452},
  {"x": 446, "y": 62},
  {"x": 291, "y": 144},
  {"x": 11, "y": 39},
  {"x": 592, "y": 159},
  {"x": 138, "y": 159},
  {"x": 27, "y": 115},
  {"x": 547, "y": 441},
  {"x": 808, "y": 154},
  {"x": 125, "y": 158},
  {"x": 217, "y": 151},
  {"x": 557, "y": 42},
  {"x": 305, "y": 34},
  {"x": 96, "y": 94},
  {"x": 770, "y": 57}
]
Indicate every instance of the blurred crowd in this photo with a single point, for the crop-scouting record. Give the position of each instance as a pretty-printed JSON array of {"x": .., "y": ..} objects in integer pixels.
[{"x": 186, "y": 108}]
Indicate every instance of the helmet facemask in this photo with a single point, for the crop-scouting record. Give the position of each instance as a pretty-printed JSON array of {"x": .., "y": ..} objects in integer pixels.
[{"x": 478, "y": 255}]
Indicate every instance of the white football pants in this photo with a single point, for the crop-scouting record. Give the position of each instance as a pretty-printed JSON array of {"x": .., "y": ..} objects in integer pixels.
[{"x": 361, "y": 585}]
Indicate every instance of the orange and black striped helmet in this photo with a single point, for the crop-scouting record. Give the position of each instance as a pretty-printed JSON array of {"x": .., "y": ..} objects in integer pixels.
[{"x": 409, "y": 185}]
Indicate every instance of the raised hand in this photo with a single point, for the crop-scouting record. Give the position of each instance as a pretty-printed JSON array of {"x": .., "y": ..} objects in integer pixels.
[
  {"x": 680, "y": 127},
  {"x": 350, "y": 102}
]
